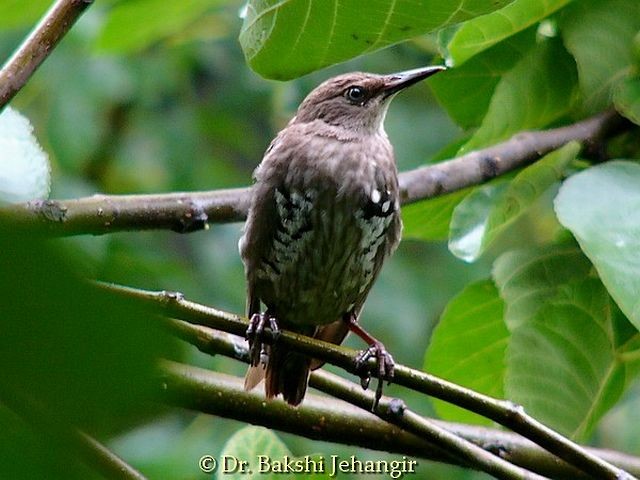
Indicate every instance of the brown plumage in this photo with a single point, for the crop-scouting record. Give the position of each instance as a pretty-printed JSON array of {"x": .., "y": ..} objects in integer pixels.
[{"x": 324, "y": 217}]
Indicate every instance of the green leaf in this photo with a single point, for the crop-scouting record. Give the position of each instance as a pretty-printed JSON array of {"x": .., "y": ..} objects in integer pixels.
[
  {"x": 527, "y": 187},
  {"x": 468, "y": 347},
  {"x": 253, "y": 443},
  {"x": 429, "y": 220},
  {"x": 136, "y": 24},
  {"x": 466, "y": 91},
  {"x": 562, "y": 365},
  {"x": 469, "y": 221},
  {"x": 481, "y": 33},
  {"x": 600, "y": 37},
  {"x": 248, "y": 444},
  {"x": 527, "y": 278},
  {"x": 523, "y": 100},
  {"x": 283, "y": 40},
  {"x": 601, "y": 207},
  {"x": 565, "y": 359},
  {"x": 86, "y": 355},
  {"x": 488, "y": 213},
  {"x": 24, "y": 167},
  {"x": 627, "y": 99}
]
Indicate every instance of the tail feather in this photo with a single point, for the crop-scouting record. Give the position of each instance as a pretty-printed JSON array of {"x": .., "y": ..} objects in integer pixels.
[
  {"x": 287, "y": 373},
  {"x": 253, "y": 377}
]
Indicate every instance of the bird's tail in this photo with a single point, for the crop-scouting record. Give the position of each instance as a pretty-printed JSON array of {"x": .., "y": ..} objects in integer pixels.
[{"x": 287, "y": 373}]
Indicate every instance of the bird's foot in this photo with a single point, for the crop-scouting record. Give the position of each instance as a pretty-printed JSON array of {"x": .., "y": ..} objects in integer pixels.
[
  {"x": 255, "y": 335},
  {"x": 384, "y": 363}
]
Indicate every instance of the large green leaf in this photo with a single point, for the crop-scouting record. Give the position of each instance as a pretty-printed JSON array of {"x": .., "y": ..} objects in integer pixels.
[
  {"x": 465, "y": 91},
  {"x": 285, "y": 39},
  {"x": 527, "y": 187},
  {"x": 488, "y": 213},
  {"x": 481, "y": 33},
  {"x": 601, "y": 207},
  {"x": 562, "y": 365},
  {"x": 565, "y": 359},
  {"x": 86, "y": 357},
  {"x": 527, "y": 278},
  {"x": 468, "y": 347},
  {"x": 524, "y": 99},
  {"x": 627, "y": 99},
  {"x": 600, "y": 37}
]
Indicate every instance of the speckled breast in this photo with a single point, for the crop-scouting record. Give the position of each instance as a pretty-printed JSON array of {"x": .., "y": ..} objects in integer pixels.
[{"x": 327, "y": 251}]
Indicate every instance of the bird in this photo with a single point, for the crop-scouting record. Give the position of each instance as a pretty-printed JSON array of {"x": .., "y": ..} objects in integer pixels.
[{"x": 324, "y": 216}]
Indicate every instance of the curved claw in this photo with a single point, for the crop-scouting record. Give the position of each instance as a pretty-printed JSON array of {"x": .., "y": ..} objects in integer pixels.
[
  {"x": 365, "y": 380},
  {"x": 254, "y": 334},
  {"x": 385, "y": 368}
]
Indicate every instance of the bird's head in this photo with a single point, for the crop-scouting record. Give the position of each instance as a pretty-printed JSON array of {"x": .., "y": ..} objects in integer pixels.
[{"x": 357, "y": 101}]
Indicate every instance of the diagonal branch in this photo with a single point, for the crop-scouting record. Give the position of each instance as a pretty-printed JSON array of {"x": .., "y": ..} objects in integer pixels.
[
  {"x": 390, "y": 410},
  {"x": 328, "y": 419},
  {"x": 186, "y": 212},
  {"x": 38, "y": 45},
  {"x": 479, "y": 166},
  {"x": 523, "y": 453},
  {"x": 319, "y": 418},
  {"x": 506, "y": 413}
]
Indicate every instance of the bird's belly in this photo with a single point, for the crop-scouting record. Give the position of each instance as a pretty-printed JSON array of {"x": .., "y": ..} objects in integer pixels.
[{"x": 326, "y": 271}]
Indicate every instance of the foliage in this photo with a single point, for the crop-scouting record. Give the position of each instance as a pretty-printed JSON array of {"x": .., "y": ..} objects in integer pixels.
[
  {"x": 317, "y": 34},
  {"x": 546, "y": 316}
]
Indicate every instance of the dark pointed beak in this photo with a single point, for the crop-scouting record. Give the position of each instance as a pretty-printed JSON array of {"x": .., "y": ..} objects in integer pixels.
[{"x": 399, "y": 81}]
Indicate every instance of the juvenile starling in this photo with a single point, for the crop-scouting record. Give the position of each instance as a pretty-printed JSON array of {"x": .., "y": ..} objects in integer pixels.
[{"x": 324, "y": 216}]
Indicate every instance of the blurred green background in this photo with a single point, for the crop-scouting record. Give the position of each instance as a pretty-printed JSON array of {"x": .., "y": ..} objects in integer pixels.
[{"x": 170, "y": 105}]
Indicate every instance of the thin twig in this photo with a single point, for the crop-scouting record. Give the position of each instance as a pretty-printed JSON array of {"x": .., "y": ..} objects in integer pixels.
[
  {"x": 90, "y": 450},
  {"x": 38, "y": 45},
  {"x": 506, "y": 413},
  {"x": 186, "y": 212}
]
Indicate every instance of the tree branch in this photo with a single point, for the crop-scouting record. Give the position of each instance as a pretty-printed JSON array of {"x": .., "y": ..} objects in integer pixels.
[
  {"x": 186, "y": 212},
  {"x": 100, "y": 214},
  {"x": 212, "y": 342},
  {"x": 506, "y": 413},
  {"x": 523, "y": 148},
  {"x": 328, "y": 419},
  {"x": 38, "y": 45},
  {"x": 186, "y": 385}
]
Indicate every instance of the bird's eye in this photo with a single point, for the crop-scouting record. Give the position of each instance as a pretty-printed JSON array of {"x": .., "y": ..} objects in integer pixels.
[{"x": 355, "y": 94}]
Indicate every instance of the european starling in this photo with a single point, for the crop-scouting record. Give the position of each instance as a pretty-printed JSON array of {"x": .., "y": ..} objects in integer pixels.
[{"x": 324, "y": 216}]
